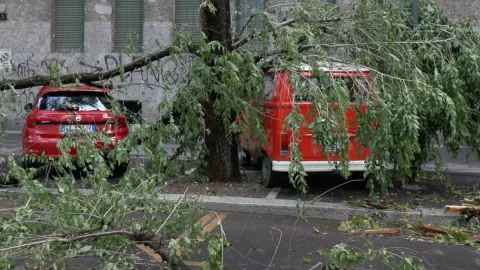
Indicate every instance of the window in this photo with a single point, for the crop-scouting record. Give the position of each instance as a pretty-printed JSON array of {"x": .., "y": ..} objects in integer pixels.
[
  {"x": 75, "y": 101},
  {"x": 128, "y": 25},
  {"x": 269, "y": 86},
  {"x": 187, "y": 18},
  {"x": 133, "y": 109},
  {"x": 68, "y": 34},
  {"x": 307, "y": 87},
  {"x": 244, "y": 10}
]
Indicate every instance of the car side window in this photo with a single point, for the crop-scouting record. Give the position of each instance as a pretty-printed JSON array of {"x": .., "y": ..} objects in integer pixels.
[{"x": 269, "y": 86}]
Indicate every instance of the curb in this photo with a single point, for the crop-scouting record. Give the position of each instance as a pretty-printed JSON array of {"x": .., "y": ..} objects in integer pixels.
[
  {"x": 320, "y": 210},
  {"x": 454, "y": 168}
]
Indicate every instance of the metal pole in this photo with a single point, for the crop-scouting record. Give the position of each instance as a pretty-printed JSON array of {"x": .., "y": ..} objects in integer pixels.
[{"x": 415, "y": 11}]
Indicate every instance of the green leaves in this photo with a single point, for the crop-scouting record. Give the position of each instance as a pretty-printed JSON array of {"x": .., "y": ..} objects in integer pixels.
[{"x": 341, "y": 257}]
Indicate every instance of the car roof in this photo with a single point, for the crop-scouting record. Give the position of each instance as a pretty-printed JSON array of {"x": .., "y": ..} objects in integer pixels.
[{"x": 66, "y": 88}]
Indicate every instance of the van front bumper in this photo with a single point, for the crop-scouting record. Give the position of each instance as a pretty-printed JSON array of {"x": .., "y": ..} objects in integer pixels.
[{"x": 320, "y": 166}]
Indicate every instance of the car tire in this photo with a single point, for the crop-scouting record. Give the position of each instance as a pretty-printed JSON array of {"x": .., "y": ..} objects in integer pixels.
[
  {"x": 244, "y": 159},
  {"x": 22, "y": 163},
  {"x": 270, "y": 178},
  {"x": 120, "y": 169},
  {"x": 25, "y": 164}
]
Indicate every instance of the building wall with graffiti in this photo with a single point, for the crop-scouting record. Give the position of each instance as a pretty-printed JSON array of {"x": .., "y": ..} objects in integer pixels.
[{"x": 28, "y": 34}]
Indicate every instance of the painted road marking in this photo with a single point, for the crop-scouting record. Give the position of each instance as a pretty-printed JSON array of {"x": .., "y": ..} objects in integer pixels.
[
  {"x": 208, "y": 226},
  {"x": 150, "y": 252},
  {"x": 202, "y": 222},
  {"x": 274, "y": 193},
  {"x": 194, "y": 263},
  {"x": 209, "y": 222}
]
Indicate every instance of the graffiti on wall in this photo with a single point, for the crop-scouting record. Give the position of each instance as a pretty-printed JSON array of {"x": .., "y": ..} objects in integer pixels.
[{"x": 30, "y": 65}]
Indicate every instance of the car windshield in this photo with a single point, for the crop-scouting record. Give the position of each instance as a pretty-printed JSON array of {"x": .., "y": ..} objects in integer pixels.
[
  {"x": 76, "y": 101},
  {"x": 307, "y": 86}
]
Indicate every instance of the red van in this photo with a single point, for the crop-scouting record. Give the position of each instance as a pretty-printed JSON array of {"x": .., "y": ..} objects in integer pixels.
[{"x": 279, "y": 99}]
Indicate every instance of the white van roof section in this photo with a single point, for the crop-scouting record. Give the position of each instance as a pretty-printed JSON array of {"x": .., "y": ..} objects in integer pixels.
[
  {"x": 332, "y": 67},
  {"x": 335, "y": 66}
]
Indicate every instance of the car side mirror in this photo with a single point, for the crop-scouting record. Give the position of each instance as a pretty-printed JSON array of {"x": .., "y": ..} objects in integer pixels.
[{"x": 28, "y": 107}]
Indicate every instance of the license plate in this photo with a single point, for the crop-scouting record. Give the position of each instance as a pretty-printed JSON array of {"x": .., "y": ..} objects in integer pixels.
[{"x": 78, "y": 128}]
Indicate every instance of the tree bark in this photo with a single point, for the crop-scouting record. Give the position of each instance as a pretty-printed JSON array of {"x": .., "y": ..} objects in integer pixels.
[{"x": 222, "y": 159}]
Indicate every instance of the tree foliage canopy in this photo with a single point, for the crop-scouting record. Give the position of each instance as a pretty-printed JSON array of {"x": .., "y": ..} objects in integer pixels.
[{"x": 425, "y": 78}]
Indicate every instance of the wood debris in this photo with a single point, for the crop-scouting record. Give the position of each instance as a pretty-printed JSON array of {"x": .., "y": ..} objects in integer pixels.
[
  {"x": 474, "y": 201},
  {"x": 476, "y": 238},
  {"x": 471, "y": 210},
  {"x": 432, "y": 230}
]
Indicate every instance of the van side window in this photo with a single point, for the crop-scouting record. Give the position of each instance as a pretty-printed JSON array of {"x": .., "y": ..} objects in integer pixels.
[
  {"x": 357, "y": 88},
  {"x": 269, "y": 86}
]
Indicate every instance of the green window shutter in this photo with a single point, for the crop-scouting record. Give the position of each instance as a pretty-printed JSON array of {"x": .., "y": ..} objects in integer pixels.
[
  {"x": 244, "y": 10},
  {"x": 69, "y": 25},
  {"x": 187, "y": 18},
  {"x": 128, "y": 25}
]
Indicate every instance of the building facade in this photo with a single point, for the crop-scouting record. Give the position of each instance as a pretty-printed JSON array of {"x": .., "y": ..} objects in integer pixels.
[{"x": 99, "y": 35}]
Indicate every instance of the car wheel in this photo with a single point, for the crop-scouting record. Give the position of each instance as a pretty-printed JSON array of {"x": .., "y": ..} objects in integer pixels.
[
  {"x": 25, "y": 164},
  {"x": 270, "y": 178},
  {"x": 120, "y": 169},
  {"x": 22, "y": 163},
  {"x": 244, "y": 158}
]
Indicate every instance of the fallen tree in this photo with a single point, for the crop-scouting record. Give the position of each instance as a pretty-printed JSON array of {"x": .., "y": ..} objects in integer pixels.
[{"x": 420, "y": 78}]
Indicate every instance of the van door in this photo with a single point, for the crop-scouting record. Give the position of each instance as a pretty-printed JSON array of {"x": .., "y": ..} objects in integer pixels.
[{"x": 357, "y": 86}]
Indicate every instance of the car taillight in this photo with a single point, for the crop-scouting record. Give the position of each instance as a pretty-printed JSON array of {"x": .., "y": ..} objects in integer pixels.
[
  {"x": 121, "y": 122},
  {"x": 39, "y": 120},
  {"x": 284, "y": 145}
]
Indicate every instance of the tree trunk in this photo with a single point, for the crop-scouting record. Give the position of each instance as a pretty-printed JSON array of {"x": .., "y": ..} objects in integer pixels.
[{"x": 222, "y": 156}]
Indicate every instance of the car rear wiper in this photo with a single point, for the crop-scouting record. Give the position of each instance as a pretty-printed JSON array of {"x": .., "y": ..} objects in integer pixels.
[{"x": 67, "y": 108}]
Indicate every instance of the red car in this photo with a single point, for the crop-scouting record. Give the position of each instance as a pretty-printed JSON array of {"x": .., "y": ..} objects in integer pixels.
[{"x": 57, "y": 111}]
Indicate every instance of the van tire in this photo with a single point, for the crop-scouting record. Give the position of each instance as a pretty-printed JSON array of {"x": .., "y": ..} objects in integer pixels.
[{"x": 270, "y": 178}]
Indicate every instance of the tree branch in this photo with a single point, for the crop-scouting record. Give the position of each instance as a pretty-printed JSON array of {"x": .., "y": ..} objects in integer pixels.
[
  {"x": 244, "y": 40},
  {"x": 249, "y": 19},
  {"x": 147, "y": 238},
  {"x": 87, "y": 78},
  {"x": 292, "y": 21}
]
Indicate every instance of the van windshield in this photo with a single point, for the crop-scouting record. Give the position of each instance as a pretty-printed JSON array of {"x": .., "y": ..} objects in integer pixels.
[{"x": 308, "y": 87}]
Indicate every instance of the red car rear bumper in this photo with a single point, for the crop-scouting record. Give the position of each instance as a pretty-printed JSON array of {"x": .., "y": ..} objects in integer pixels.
[{"x": 35, "y": 145}]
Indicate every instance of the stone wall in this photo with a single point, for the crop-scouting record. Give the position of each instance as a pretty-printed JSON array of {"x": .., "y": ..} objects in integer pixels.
[{"x": 461, "y": 9}]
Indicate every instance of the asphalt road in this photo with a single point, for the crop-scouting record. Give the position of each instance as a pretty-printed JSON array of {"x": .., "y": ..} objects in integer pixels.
[{"x": 281, "y": 242}]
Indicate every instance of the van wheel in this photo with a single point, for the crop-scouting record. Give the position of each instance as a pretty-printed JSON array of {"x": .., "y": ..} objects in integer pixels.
[{"x": 270, "y": 178}]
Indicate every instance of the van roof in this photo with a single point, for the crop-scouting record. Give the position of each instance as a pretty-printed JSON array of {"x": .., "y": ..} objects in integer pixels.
[
  {"x": 335, "y": 66},
  {"x": 332, "y": 67}
]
